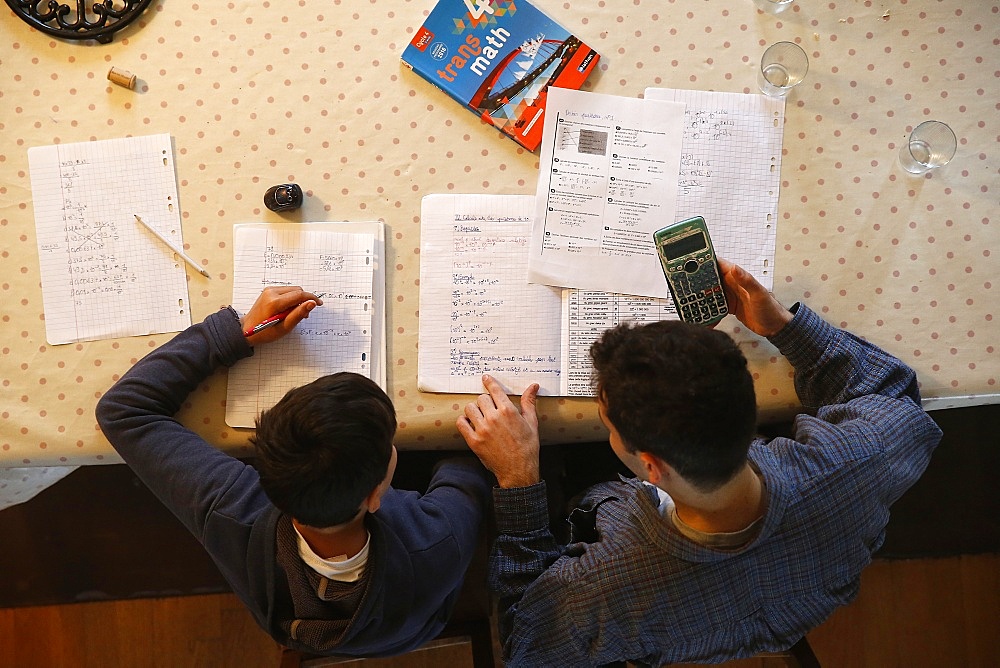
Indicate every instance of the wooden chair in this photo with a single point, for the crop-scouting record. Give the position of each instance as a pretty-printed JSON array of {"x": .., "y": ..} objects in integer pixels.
[
  {"x": 478, "y": 634},
  {"x": 799, "y": 655},
  {"x": 470, "y": 622}
]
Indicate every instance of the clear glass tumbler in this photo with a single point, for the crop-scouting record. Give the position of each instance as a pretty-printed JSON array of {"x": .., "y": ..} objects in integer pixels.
[
  {"x": 782, "y": 67},
  {"x": 931, "y": 144},
  {"x": 773, "y": 6}
]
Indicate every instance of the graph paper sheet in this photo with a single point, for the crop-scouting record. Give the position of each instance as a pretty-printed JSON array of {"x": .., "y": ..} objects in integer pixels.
[
  {"x": 342, "y": 260},
  {"x": 478, "y": 313},
  {"x": 103, "y": 274},
  {"x": 731, "y": 171}
]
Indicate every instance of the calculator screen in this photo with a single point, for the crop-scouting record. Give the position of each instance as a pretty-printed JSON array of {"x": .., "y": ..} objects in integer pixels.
[{"x": 685, "y": 246}]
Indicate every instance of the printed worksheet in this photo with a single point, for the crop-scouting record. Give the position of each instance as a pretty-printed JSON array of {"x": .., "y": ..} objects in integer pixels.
[
  {"x": 586, "y": 315},
  {"x": 607, "y": 180}
]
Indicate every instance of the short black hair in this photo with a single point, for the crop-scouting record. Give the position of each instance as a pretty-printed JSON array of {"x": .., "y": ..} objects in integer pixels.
[
  {"x": 681, "y": 392},
  {"x": 324, "y": 447}
]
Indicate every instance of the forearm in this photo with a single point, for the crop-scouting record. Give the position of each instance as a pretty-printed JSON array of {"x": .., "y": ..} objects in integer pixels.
[
  {"x": 523, "y": 549},
  {"x": 833, "y": 366},
  {"x": 155, "y": 387},
  {"x": 186, "y": 473},
  {"x": 459, "y": 492}
]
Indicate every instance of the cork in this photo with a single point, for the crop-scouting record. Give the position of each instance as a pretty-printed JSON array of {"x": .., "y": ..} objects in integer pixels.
[{"x": 121, "y": 77}]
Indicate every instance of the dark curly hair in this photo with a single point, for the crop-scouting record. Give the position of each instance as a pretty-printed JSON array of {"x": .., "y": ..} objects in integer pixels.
[
  {"x": 324, "y": 447},
  {"x": 681, "y": 392}
]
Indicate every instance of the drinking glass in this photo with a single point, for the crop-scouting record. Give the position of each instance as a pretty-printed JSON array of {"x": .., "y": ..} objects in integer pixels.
[
  {"x": 782, "y": 67},
  {"x": 931, "y": 144},
  {"x": 773, "y": 6}
]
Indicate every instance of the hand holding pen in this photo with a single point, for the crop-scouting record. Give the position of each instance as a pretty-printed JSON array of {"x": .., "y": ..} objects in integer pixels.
[
  {"x": 277, "y": 311},
  {"x": 276, "y": 319}
]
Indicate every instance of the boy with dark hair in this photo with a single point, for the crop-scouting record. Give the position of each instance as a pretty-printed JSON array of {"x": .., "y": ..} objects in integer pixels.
[
  {"x": 325, "y": 447},
  {"x": 327, "y": 556},
  {"x": 723, "y": 545},
  {"x": 681, "y": 392}
]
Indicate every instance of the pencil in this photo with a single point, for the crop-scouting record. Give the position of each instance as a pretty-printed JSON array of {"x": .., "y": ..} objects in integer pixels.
[{"x": 174, "y": 247}]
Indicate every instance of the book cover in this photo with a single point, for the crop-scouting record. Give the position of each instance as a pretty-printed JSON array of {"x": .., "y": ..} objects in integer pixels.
[{"x": 498, "y": 58}]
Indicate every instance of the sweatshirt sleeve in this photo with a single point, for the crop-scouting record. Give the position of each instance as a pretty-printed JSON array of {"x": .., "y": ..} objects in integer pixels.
[
  {"x": 459, "y": 496},
  {"x": 188, "y": 475}
]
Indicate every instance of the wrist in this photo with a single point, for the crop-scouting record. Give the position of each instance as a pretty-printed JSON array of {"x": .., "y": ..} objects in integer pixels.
[
  {"x": 519, "y": 479},
  {"x": 779, "y": 322}
]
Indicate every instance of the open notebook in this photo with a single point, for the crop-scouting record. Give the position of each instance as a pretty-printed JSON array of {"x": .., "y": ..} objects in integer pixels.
[
  {"x": 346, "y": 262},
  {"x": 478, "y": 313}
]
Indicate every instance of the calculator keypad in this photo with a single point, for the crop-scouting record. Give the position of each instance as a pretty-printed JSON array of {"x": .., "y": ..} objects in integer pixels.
[{"x": 701, "y": 297}]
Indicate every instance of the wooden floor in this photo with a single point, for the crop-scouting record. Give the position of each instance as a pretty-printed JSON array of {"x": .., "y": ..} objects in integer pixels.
[{"x": 914, "y": 613}]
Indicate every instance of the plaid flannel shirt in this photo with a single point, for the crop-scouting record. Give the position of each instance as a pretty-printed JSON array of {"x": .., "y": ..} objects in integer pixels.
[{"x": 643, "y": 592}]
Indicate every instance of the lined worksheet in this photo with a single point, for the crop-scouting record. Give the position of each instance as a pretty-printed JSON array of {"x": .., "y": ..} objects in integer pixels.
[
  {"x": 730, "y": 171},
  {"x": 334, "y": 259},
  {"x": 478, "y": 313},
  {"x": 103, "y": 274}
]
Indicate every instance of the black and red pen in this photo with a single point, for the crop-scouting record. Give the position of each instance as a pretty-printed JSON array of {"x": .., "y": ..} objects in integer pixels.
[{"x": 275, "y": 319}]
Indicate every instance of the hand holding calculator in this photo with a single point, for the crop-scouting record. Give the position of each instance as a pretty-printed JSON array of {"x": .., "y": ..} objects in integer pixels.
[{"x": 689, "y": 264}]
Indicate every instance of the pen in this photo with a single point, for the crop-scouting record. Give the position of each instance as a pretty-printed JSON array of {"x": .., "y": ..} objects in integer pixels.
[
  {"x": 273, "y": 320},
  {"x": 174, "y": 247}
]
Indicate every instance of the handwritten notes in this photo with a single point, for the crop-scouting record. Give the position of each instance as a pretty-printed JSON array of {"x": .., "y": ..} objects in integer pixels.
[
  {"x": 345, "y": 334},
  {"x": 478, "y": 313},
  {"x": 731, "y": 171},
  {"x": 103, "y": 276}
]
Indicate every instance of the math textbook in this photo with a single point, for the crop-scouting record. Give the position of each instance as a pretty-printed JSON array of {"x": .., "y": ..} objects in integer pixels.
[{"x": 498, "y": 58}]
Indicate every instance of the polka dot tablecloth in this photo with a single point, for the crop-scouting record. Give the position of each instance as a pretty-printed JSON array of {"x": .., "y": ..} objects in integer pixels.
[{"x": 312, "y": 91}]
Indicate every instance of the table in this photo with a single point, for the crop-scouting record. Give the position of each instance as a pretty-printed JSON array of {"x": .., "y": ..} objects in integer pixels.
[{"x": 313, "y": 92}]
